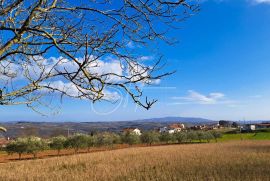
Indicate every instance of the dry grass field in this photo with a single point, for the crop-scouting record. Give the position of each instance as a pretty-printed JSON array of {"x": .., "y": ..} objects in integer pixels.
[{"x": 239, "y": 160}]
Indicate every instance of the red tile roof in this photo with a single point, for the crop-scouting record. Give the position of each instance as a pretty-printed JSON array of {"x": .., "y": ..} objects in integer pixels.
[{"x": 174, "y": 126}]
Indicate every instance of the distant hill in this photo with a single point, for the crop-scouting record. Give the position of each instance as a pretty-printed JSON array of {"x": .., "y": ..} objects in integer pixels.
[
  {"x": 177, "y": 119},
  {"x": 49, "y": 129}
]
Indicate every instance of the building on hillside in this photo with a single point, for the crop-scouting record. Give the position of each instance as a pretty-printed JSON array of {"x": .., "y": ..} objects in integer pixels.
[
  {"x": 133, "y": 130},
  {"x": 173, "y": 128},
  {"x": 199, "y": 127},
  {"x": 248, "y": 128},
  {"x": 262, "y": 125},
  {"x": 213, "y": 126}
]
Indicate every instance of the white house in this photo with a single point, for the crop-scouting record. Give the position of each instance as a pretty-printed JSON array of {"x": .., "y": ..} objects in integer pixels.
[
  {"x": 173, "y": 128},
  {"x": 133, "y": 130}
]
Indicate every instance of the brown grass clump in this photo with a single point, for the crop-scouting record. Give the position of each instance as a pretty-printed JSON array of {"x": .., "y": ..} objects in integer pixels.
[{"x": 242, "y": 160}]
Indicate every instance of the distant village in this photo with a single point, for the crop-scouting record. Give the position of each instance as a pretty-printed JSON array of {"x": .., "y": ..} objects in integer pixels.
[
  {"x": 179, "y": 127},
  {"x": 222, "y": 124}
]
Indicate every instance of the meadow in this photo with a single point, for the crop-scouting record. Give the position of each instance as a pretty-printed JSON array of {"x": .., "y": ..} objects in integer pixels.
[
  {"x": 234, "y": 160},
  {"x": 246, "y": 136}
]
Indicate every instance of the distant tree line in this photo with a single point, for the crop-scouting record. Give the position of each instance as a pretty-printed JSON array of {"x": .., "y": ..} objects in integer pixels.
[{"x": 33, "y": 145}]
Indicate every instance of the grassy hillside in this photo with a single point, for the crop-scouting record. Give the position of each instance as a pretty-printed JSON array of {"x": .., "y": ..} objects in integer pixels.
[{"x": 239, "y": 160}]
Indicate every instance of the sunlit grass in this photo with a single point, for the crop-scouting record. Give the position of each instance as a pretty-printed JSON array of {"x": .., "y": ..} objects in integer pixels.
[{"x": 237, "y": 160}]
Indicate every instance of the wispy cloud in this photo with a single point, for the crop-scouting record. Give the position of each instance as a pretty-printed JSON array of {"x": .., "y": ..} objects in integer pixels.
[
  {"x": 194, "y": 97},
  {"x": 256, "y": 96},
  {"x": 261, "y": 1}
]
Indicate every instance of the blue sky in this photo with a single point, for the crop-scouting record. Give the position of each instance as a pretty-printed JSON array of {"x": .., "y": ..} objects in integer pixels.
[{"x": 223, "y": 71}]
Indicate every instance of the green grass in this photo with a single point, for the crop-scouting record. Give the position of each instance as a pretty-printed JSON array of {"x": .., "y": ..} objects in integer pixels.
[
  {"x": 261, "y": 136},
  {"x": 246, "y": 136}
]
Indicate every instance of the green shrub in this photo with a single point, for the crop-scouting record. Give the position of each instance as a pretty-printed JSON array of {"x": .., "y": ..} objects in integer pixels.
[
  {"x": 58, "y": 143},
  {"x": 150, "y": 137},
  {"x": 77, "y": 141},
  {"x": 181, "y": 137},
  {"x": 130, "y": 138}
]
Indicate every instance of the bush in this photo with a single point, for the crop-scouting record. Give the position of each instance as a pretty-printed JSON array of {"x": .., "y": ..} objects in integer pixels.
[
  {"x": 91, "y": 141},
  {"x": 201, "y": 135},
  {"x": 192, "y": 135},
  {"x": 167, "y": 137},
  {"x": 106, "y": 139},
  {"x": 216, "y": 134},
  {"x": 30, "y": 145},
  {"x": 58, "y": 143},
  {"x": 208, "y": 136},
  {"x": 150, "y": 137},
  {"x": 19, "y": 146},
  {"x": 130, "y": 138},
  {"x": 35, "y": 144},
  {"x": 181, "y": 137},
  {"x": 116, "y": 138},
  {"x": 76, "y": 142}
]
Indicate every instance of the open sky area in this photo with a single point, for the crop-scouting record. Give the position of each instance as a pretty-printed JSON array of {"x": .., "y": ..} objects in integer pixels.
[{"x": 222, "y": 64}]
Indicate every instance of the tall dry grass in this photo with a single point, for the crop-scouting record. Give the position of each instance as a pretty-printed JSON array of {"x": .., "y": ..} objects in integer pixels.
[{"x": 246, "y": 160}]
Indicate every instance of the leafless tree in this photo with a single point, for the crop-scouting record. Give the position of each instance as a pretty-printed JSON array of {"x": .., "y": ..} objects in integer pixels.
[{"x": 94, "y": 42}]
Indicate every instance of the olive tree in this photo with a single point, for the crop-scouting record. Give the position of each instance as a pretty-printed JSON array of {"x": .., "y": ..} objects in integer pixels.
[
  {"x": 216, "y": 135},
  {"x": 76, "y": 142},
  {"x": 34, "y": 145},
  {"x": 30, "y": 145},
  {"x": 208, "y": 136},
  {"x": 18, "y": 146},
  {"x": 150, "y": 137},
  {"x": 192, "y": 135},
  {"x": 108, "y": 139},
  {"x": 94, "y": 43},
  {"x": 166, "y": 137},
  {"x": 130, "y": 138},
  {"x": 181, "y": 137},
  {"x": 91, "y": 142},
  {"x": 58, "y": 143}
]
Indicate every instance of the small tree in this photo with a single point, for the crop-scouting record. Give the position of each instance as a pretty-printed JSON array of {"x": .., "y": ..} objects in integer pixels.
[
  {"x": 201, "y": 135},
  {"x": 166, "y": 137},
  {"x": 91, "y": 142},
  {"x": 150, "y": 137},
  {"x": 19, "y": 146},
  {"x": 130, "y": 138},
  {"x": 180, "y": 137},
  {"x": 77, "y": 141},
  {"x": 216, "y": 135},
  {"x": 192, "y": 135},
  {"x": 58, "y": 143},
  {"x": 116, "y": 138},
  {"x": 34, "y": 145},
  {"x": 106, "y": 139}
]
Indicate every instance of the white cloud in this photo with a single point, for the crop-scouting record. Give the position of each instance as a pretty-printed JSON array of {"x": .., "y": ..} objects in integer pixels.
[
  {"x": 73, "y": 91},
  {"x": 145, "y": 58},
  {"x": 261, "y": 1},
  {"x": 38, "y": 66},
  {"x": 256, "y": 96},
  {"x": 194, "y": 97}
]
